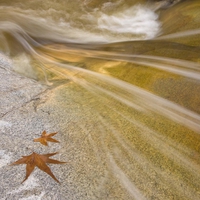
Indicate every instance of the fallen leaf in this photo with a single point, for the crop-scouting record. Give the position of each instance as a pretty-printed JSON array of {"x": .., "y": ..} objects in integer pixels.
[
  {"x": 40, "y": 161},
  {"x": 46, "y": 137}
]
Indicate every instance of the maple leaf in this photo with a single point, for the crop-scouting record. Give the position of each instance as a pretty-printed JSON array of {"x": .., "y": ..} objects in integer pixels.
[
  {"x": 38, "y": 160},
  {"x": 46, "y": 137}
]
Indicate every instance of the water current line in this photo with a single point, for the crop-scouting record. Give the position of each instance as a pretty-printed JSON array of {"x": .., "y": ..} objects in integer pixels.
[
  {"x": 148, "y": 100},
  {"x": 147, "y": 164},
  {"x": 130, "y": 186},
  {"x": 179, "y": 34},
  {"x": 185, "y": 71}
]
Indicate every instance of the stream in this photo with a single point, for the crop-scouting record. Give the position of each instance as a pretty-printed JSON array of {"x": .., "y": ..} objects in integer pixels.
[{"x": 133, "y": 69}]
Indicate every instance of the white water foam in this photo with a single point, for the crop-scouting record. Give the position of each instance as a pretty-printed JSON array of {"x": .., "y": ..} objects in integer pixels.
[
  {"x": 133, "y": 23},
  {"x": 137, "y": 20}
]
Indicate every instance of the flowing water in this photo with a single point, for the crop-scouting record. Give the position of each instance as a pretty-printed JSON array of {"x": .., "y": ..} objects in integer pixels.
[{"x": 134, "y": 73}]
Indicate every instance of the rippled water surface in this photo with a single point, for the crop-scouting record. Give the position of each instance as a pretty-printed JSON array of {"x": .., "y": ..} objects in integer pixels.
[{"x": 134, "y": 71}]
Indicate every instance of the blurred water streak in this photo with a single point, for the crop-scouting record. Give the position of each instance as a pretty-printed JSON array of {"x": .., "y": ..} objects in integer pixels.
[{"x": 140, "y": 69}]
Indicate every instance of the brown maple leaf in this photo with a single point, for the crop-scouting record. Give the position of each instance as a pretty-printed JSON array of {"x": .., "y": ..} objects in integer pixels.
[
  {"x": 46, "y": 137},
  {"x": 40, "y": 161}
]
